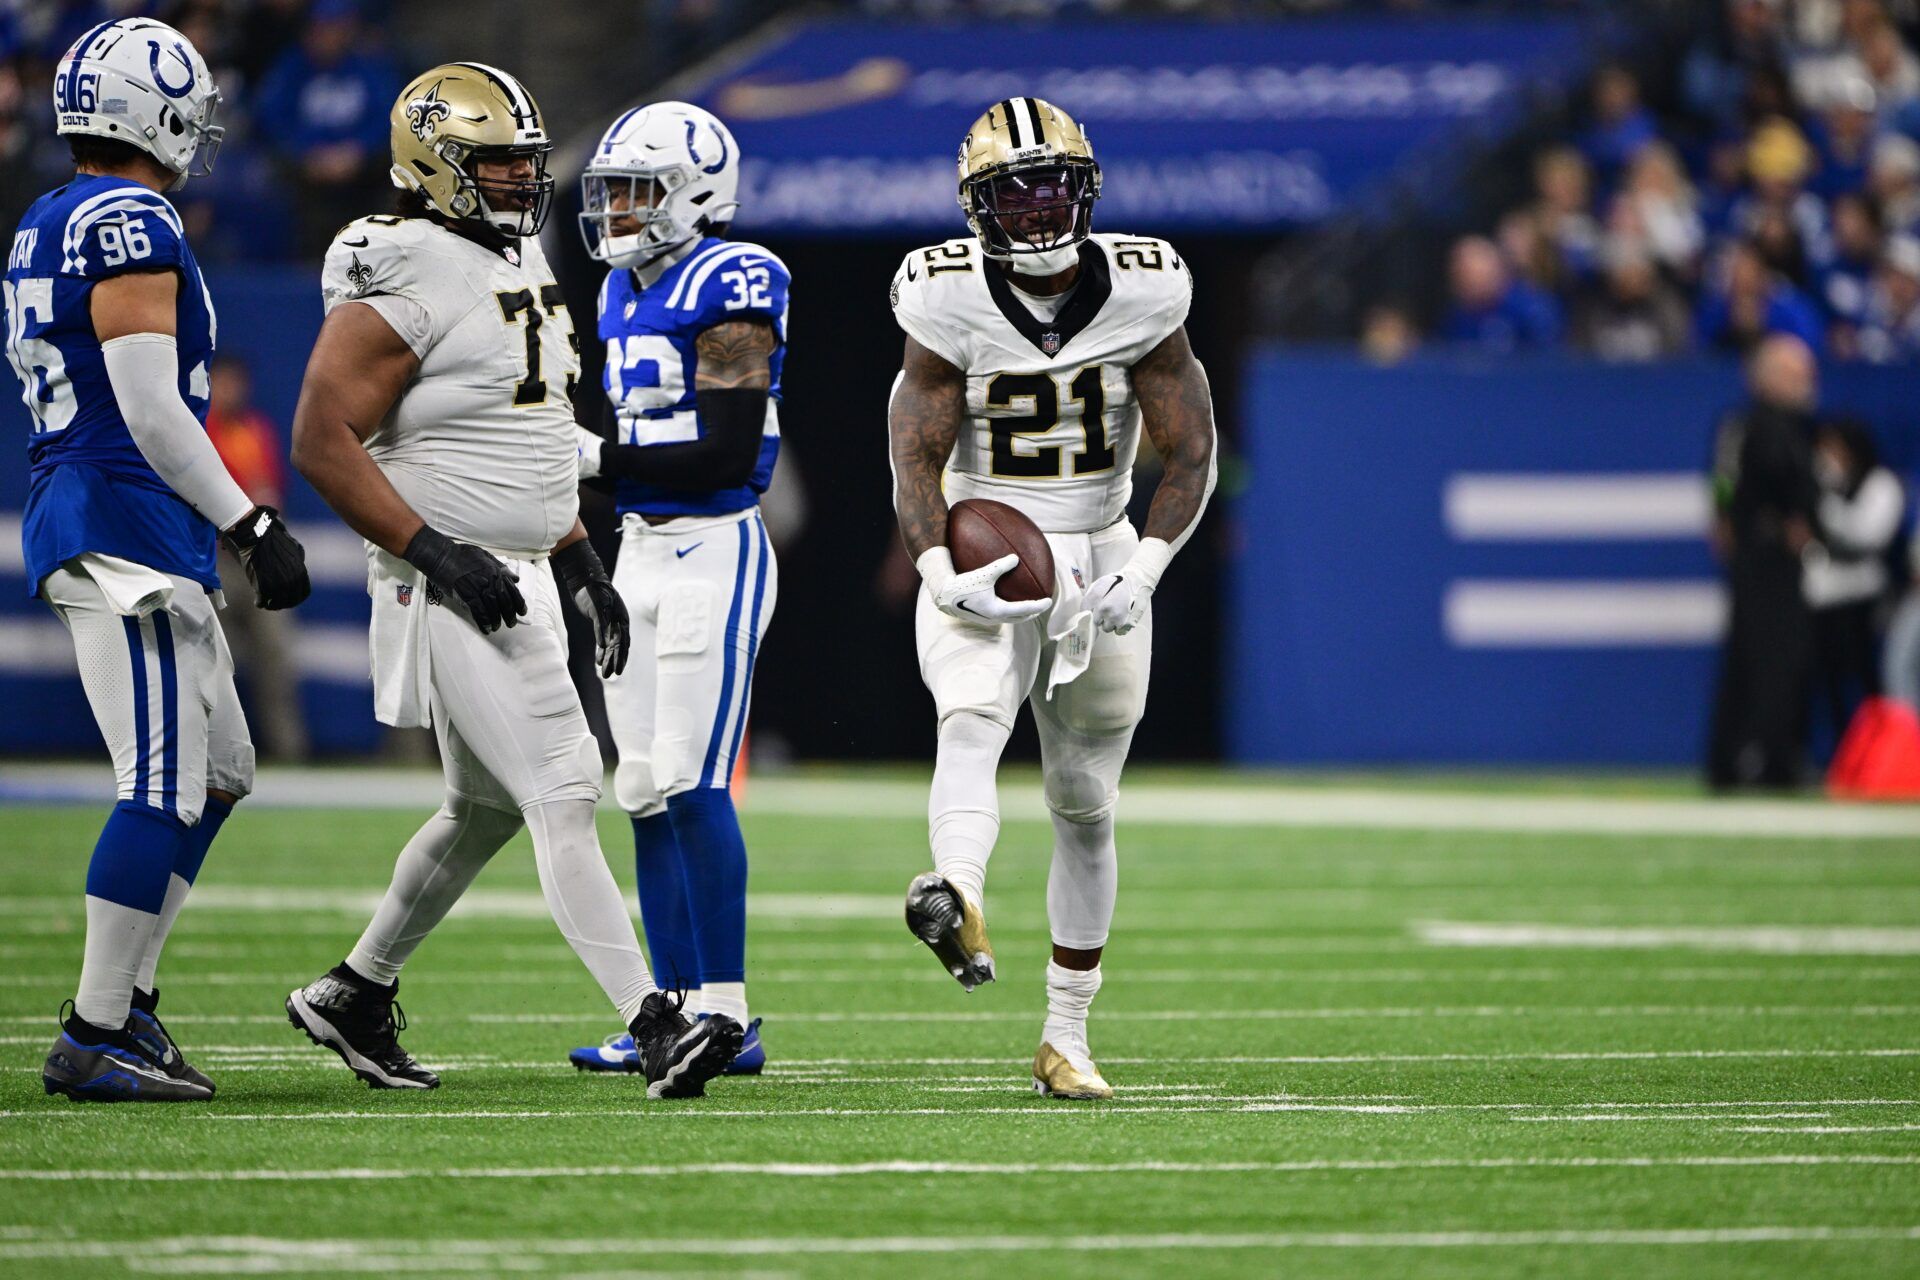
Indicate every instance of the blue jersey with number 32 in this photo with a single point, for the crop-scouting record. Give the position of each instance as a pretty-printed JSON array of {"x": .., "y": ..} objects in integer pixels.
[
  {"x": 650, "y": 337},
  {"x": 89, "y": 489}
]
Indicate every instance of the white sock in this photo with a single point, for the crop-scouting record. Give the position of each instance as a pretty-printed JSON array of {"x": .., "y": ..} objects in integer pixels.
[
  {"x": 963, "y": 805},
  {"x": 117, "y": 938},
  {"x": 431, "y": 873},
  {"x": 729, "y": 998},
  {"x": 586, "y": 902},
  {"x": 177, "y": 891},
  {"x": 1070, "y": 994}
]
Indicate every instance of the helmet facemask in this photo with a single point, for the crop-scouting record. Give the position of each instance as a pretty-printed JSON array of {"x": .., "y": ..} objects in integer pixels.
[
  {"x": 1034, "y": 217},
  {"x": 206, "y": 138},
  {"x": 513, "y": 208},
  {"x": 633, "y": 217}
]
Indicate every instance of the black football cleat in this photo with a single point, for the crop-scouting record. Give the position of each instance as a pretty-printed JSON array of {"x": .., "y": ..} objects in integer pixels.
[
  {"x": 94, "y": 1064},
  {"x": 151, "y": 1034},
  {"x": 359, "y": 1020},
  {"x": 678, "y": 1057},
  {"x": 953, "y": 929}
]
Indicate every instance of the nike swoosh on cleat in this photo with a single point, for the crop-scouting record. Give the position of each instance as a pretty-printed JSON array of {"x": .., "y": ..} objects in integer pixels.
[{"x": 681, "y": 553}]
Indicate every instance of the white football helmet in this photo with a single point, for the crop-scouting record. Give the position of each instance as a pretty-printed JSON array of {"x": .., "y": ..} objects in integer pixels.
[
  {"x": 662, "y": 176},
  {"x": 141, "y": 82}
]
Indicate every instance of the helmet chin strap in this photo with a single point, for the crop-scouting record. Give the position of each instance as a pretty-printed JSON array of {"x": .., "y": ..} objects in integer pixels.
[{"x": 651, "y": 270}]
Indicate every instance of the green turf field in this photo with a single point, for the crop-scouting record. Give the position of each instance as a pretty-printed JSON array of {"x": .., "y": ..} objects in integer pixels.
[{"x": 1580, "y": 1047}]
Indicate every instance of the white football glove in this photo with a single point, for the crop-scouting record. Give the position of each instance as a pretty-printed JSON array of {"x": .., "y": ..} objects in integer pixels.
[
  {"x": 1120, "y": 600},
  {"x": 969, "y": 596},
  {"x": 587, "y": 446}
]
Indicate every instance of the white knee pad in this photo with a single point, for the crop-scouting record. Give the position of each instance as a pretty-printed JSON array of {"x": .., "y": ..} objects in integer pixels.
[
  {"x": 230, "y": 767},
  {"x": 634, "y": 789},
  {"x": 1078, "y": 794},
  {"x": 676, "y": 755}
]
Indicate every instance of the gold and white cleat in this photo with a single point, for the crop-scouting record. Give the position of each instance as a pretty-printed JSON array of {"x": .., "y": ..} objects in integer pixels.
[
  {"x": 952, "y": 927},
  {"x": 1055, "y": 1077}
]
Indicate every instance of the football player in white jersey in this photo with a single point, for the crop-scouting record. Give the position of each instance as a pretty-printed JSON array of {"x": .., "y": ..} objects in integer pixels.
[
  {"x": 1036, "y": 353},
  {"x": 436, "y": 419}
]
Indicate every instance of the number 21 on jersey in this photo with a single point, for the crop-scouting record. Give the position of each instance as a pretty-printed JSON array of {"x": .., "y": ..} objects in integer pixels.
[{"x": 1020, "y": 459}]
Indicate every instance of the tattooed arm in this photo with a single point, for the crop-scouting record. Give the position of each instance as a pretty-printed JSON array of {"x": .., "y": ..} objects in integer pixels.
[
  {"x": 1176, "y": 408},
  {"x": 923, "y": 420},
  {"x": 731, "y": 378}
]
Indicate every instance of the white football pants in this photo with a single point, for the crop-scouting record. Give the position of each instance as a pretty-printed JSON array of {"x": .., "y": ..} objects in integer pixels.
[
  {"x": 700, "y": 592},
  {"x": 161, "y": 688}
]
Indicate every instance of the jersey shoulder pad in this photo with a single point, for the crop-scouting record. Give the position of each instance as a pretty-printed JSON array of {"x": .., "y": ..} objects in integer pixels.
[
  {"x": 730, "y": 280},
  {"x": 122, "y": 229},
  {"x": 923, "y": 294},
  {"x": 373, "y": 256},
  {"x": 1151, "y": 284}
]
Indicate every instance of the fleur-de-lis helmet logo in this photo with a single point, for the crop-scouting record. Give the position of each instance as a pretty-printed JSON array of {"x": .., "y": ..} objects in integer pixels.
[
  {"x": 359, "y": 274},
  {"x": 426, "y": 111}
]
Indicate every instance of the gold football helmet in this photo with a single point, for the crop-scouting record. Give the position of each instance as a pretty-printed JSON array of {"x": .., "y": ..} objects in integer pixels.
[
  {"x": 1028, "y": 181},
  {"x": 461, "y": 113}
]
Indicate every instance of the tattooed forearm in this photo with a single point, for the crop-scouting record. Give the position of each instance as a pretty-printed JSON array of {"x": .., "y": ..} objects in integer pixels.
[
  {"x": 1176, "y": 407},
  {"x": 923, "y": 421},
  {"x": 734, "y": 354}
]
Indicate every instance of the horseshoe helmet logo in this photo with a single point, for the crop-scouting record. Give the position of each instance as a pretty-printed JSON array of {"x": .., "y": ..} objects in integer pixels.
[
  {"x": 179, "y": 51},
  {"x": 717, "y": 165},
  {"x": 426, "y": 111}
]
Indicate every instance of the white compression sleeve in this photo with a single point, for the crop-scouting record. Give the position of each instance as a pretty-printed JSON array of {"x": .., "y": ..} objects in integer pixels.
[{"x": 144, "y": 369}]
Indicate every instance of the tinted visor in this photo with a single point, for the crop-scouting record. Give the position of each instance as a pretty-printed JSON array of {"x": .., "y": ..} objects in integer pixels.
[{"x": 1036, "y": 208}]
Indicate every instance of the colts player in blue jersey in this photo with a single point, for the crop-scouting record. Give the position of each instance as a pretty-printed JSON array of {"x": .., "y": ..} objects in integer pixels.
[
  {"x": 111, "y": 329},
  {"x": 695, "y": 328}
]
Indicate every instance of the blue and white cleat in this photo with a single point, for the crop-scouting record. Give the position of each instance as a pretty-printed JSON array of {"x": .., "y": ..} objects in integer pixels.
[
  {"x": 88, "y": 1064},
  {"x": 752, "y": 1058},
  {"x": 151, "y": 1034},
  {"x": 616, "y": 1053}
]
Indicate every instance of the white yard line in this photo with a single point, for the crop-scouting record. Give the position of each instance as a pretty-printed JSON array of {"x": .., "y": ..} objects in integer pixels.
[
  {"x": 1833, "y": 1128},
  {"x": 1764, "y": 939},
  {"x": 1330, "y": 1013},
  {"x": 1719, "y": 1117},
  {"x": 944, "y": 1168},
  {"x": 1127, "y": 1104},
  {"x": 1252, "y": 805},
  {"x": 260, "y": 1255}
]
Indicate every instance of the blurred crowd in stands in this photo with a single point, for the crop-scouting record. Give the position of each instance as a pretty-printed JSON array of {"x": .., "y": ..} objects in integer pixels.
[
  {"x": 305, "y": 86},
  {"x": 1777, "y": 190}
]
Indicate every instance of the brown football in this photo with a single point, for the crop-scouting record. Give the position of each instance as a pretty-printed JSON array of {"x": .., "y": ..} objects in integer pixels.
[{"x": 980, "y": 531}]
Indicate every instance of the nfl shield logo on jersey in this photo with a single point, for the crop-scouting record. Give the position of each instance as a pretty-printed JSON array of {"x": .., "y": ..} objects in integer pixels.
[
  {"x": 1050, "y": 343},
  {"x": 403, "y": 592}
]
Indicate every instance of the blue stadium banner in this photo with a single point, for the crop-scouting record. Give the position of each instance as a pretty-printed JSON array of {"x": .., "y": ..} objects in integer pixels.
[
  {"x": 852, "y": 127},
  {"x": 1472, "y": 561}
]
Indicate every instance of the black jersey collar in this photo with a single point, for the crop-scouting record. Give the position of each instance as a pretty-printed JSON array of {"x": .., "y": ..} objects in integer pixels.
[{"x": 1090, "y": 293}]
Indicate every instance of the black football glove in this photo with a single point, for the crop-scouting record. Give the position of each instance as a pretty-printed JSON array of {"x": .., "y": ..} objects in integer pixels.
[
  {"x": 275, "y": 562},
  {"x": 479, "y": 581},
  {"x": 581, "y": 576}
]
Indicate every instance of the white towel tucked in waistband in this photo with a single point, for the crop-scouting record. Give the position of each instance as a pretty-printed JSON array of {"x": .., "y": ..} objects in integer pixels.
[{"x": 132, "y": 590}]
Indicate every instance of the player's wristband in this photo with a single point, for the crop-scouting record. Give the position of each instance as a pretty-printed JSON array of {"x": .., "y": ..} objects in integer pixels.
[
  {"x": 576, "y": 565},
  {"x": 936, "y": 568},
  {"x": 1149, "y": 561}
]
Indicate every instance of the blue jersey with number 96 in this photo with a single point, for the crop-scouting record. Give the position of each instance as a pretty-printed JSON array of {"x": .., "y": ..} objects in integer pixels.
[
  {"x": 651, "y": 360},
  {"x": 89, "y": 489}
]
